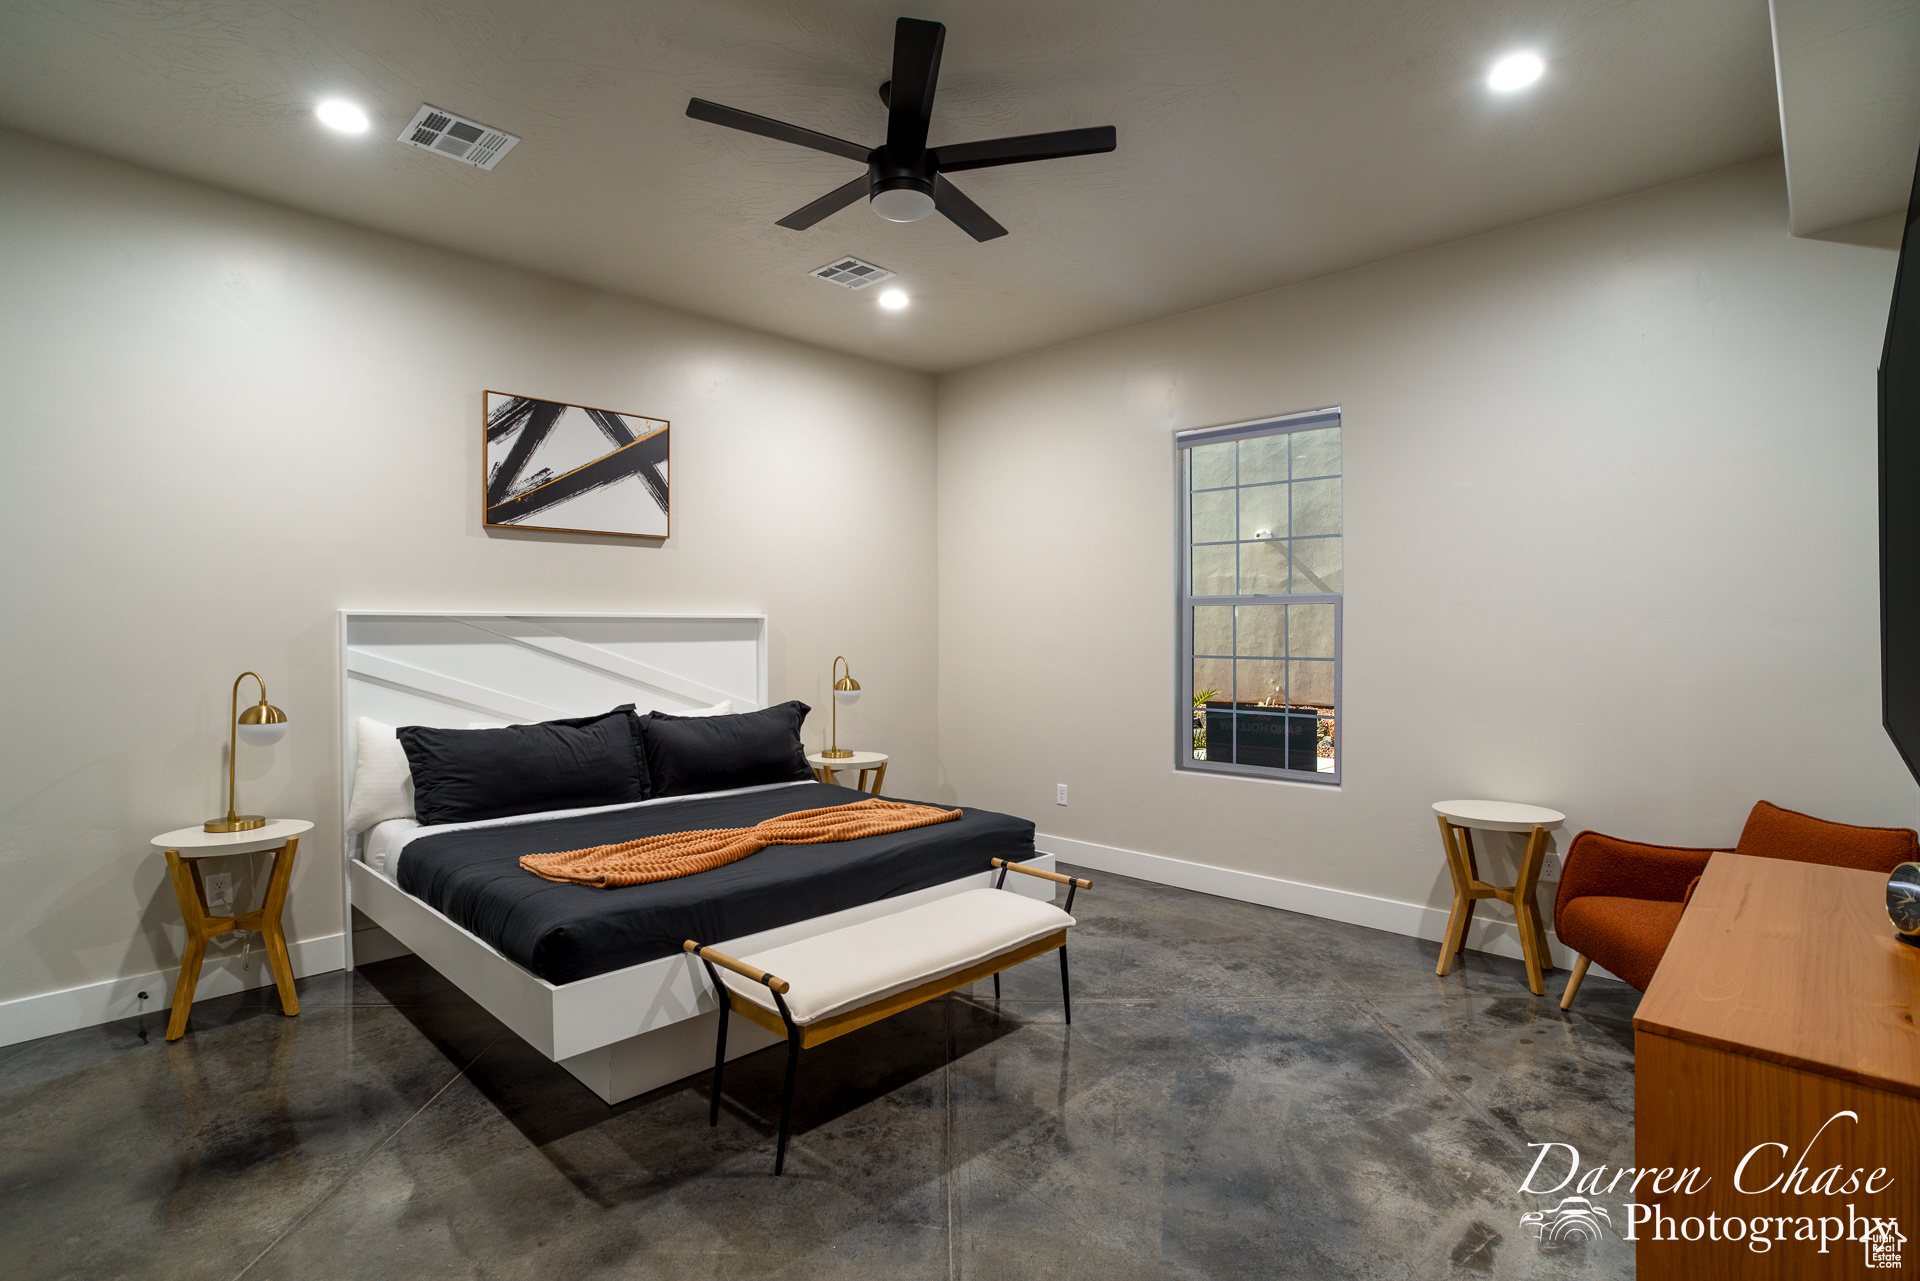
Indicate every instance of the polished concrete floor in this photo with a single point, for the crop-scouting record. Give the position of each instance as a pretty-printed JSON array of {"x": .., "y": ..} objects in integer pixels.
[{"x": 1243, "y": 1093}]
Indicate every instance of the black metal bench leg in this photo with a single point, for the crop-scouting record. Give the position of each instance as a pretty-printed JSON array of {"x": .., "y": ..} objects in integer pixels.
[
  {"x": 719, "y": 1063},
  {"x": 1066, "y": 996},
  {"x": 786, "y": 1104},
  {"x": 996, "y": 985}
]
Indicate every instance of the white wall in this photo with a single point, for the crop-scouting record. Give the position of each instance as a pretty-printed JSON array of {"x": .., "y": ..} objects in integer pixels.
[
  {"x": 225, "y": 420},
  {"x": 1611, "y": 547},
  {"x": 1610, "y": 511}
]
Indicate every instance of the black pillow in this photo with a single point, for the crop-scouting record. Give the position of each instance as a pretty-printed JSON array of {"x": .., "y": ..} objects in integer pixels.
[
  {"x": 463, "y": 775},
  {"x": 687, "y": 754}
]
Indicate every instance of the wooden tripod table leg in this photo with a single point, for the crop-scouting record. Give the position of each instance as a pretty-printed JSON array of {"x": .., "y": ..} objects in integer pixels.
[
  {"x": 193, "y": 910},
  {"x": 1526, "y": 912},
  {"x": 1457, "y": 821},
  {"x": 1460, "y": 864},
  {"x": 266, "y": 919},
  {"x": 278, "y": 883}
]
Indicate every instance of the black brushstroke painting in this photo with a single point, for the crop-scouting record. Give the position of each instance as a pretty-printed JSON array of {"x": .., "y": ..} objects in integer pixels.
[{"x": 549, "y": 466}]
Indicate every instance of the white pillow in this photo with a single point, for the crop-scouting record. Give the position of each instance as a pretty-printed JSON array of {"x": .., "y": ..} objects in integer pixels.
[{"x": 382, "y": 780}]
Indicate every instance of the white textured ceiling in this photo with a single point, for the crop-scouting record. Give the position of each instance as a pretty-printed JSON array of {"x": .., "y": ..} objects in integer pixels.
[{"x": 1261, "y": 141}]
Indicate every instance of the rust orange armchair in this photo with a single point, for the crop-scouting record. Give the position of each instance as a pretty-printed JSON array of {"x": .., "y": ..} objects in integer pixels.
[{"x": 1620, "y": 901}]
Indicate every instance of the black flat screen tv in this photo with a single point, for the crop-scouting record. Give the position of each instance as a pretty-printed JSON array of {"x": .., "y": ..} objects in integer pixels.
[{"x": 1900, "y": 501}]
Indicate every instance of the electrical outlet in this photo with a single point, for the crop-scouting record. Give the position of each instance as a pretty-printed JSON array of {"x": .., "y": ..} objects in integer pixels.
[
  {"x": 1550, "y": 867},
  {"x": 219, "y": 893},
  {"x": 1059, "y": 793}
]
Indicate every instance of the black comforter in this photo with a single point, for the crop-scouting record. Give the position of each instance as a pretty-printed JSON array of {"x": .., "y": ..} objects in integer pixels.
[{"x": 568, "y": 932}]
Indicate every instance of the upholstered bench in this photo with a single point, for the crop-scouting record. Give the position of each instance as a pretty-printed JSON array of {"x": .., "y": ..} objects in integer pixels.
[{"x": 826, "y": 986}]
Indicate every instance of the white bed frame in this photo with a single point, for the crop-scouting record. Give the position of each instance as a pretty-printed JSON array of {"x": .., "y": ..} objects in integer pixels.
[{"x": 624, "y": 1032}]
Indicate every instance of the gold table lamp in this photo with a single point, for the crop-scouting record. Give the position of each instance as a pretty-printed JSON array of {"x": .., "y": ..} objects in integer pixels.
[
  {"x": 845, "y": 690},
  {"x": 262, "y": 725}
]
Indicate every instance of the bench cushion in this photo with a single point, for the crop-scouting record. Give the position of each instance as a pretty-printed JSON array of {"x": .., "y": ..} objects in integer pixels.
[{"x": 847, "y": 968}]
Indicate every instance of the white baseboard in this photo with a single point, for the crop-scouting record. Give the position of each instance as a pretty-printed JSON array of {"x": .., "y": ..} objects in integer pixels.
[
  {"x": 1415, "y": 920},
  {"x": 28, "y": 1017}
]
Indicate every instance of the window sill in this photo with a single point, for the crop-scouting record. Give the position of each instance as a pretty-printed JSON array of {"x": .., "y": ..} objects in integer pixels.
[{"x": 1323, "y": 778}]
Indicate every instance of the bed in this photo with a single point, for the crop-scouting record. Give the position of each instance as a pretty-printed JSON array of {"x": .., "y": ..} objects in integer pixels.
[{"x": 593, "y": 978}]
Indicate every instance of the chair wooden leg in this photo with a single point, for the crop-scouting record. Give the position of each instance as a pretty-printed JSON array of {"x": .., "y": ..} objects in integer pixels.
[
  {"x": 719, "y": 1060},
  {"x": 786, "y": 1104},
  {"x": 1573, "y": 984}
]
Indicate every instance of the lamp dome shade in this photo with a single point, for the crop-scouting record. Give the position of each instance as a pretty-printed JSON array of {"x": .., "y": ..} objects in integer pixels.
[
  {"x": 262, "y": 725},
  {"x": 847, "y": 689}
]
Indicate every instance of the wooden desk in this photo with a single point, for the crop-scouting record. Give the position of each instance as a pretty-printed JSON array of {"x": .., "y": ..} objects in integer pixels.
[{"x": 1783, "y": 999}]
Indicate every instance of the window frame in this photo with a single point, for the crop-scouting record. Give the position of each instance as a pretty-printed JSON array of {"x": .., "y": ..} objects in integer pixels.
[{"x": 1185, "y": 601}]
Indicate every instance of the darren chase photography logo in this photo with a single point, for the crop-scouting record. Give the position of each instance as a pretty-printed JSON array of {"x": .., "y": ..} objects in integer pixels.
[
  {"x": 1768, "y": 1167},
  {"x": 1574, "y": 1219}
]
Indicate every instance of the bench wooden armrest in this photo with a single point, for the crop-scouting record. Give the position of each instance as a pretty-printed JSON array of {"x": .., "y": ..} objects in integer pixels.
[
  {"x": 1045, "y": 876},
  {"x": 738, "y": 967}
]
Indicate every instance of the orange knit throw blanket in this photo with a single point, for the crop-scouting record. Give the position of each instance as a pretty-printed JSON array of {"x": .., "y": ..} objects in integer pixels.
[{"x": 661, "y": 858}]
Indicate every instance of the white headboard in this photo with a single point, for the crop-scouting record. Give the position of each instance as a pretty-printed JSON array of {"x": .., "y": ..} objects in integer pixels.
[
  {"x": 456, "y": 669},
  {"x": 451, "y": 670}
]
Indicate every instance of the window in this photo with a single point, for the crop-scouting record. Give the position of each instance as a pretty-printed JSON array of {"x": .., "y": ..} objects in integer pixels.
[{"x": 1260, "y": 535}]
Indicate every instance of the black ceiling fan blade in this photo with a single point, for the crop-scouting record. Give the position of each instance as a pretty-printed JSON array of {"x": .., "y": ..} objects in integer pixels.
[
  {"x": 916, "y": 69},
  {"x": 963, "y": 213},
  {"x": 831, "y": 203},
  {"x": 1032, "y": 146},
  {"x": 745, "y": 121}
]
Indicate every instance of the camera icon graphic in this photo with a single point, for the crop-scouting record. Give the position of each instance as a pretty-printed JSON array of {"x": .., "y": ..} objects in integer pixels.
[{"x": 1574, "y": 1220}]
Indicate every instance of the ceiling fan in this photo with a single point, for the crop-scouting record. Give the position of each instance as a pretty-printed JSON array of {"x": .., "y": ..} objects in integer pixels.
[{"x": 906, "y": 179}]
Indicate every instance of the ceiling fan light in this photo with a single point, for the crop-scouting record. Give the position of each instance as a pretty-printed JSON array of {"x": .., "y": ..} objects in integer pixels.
[{"x": 902, "y": 204}]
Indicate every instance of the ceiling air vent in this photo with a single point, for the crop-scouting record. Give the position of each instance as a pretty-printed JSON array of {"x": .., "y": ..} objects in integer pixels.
[
  {"x": 457, "y": 138},
  {"x": 851, "y": 272}
]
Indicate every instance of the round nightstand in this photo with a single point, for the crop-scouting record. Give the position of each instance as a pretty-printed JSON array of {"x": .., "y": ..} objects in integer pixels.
[
  {"x": 184, "y": 849},
  {"x": 1457, "y": 818},
  {"x": 874, "y": 763}
]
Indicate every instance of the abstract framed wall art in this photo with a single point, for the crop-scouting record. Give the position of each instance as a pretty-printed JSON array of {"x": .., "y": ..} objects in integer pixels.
[{"x": 573, "y": 469}]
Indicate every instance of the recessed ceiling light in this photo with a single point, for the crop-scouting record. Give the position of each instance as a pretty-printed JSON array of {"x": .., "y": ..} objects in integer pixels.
[
  {"x": 893, "y": 299},
  {"x": 344, "y": 116},
  {"x": 1515, "y": 71}
]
